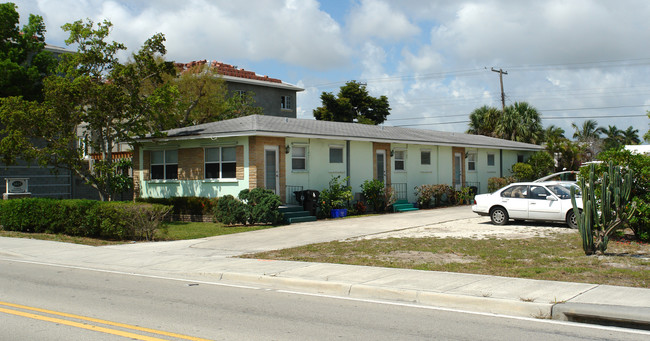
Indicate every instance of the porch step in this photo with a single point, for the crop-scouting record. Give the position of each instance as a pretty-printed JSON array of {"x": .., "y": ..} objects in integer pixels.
[
  {"x": 403, "y": 206},
  {"x": 295, "y": 214},
  {"x": 301, "y": 219}
]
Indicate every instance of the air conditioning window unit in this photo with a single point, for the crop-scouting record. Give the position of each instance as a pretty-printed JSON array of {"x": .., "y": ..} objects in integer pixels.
[{"x": 17, "y": 185}]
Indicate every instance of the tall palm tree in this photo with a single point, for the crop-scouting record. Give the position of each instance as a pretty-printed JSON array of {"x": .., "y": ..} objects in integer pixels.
[
  {"x": 521, "y": 122},
  {"x": 554, "y": 132},
  {"x": 631, "y": 136},
  {"x": 483, "y": 121},
  {"x": 588, "y": 131},
  {"x": 613, "y": 137}
]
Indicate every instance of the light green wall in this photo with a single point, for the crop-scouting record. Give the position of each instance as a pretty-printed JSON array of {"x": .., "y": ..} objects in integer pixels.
[
  {"x": 210, "y": 188},
  {"x": 320, "y": 171}
]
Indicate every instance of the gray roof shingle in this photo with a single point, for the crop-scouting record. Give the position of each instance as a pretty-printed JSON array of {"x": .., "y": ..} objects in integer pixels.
[{"x": 292, "y": 127}]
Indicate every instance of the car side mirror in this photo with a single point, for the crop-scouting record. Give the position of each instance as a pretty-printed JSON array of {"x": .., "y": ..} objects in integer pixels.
[{"x": 551, "y": 198}]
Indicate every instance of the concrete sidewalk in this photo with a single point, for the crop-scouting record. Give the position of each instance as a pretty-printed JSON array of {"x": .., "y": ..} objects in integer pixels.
[{"x": 210, "y": 260}]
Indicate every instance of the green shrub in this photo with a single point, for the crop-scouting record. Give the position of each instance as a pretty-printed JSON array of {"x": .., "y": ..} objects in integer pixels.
[
  {"x": 425, "y": 196},
  {"x": 542, "y": 164},
  {"x": 86, "y": 218},
  {"x": 373, "y": 192},
  {"x": 464, "y": 196},
  {"x": 497, "y": 183},
  {"x": 261, "y": 206},
  {"x": 444, "y": 194},
  {"x": 145, "y": 219},
  {"x": 185, "y": 205},
  {"x": 230, "y": 211},
  {"x": 336, "y": 196},
  {"x": 522, "y": 171}
]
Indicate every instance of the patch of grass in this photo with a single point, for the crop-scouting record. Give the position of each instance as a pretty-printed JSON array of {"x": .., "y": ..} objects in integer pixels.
[
  {"x": 60, "y": 238},
  {"x": 558, "y": 257},
  {"x": 173, "y": 231},
  {"x": 182, "y": 230}
]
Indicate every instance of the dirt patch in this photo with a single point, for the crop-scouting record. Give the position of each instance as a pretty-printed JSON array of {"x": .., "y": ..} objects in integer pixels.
[
  {"x": 421, "y": 257},
  {"x": 476, "y": 228}
]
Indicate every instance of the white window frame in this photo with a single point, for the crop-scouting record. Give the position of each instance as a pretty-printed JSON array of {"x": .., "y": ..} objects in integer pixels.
[
  {"x": 304, "y": 157},
  {"x": 471, "y": 162},
  {"x": 164, "y": 164},
  {"x": 285, "y": 103},
  {"x": 336, "y": 147},
  {"x": 401, "y": 159},
  {"x": 220, "y": 162}
]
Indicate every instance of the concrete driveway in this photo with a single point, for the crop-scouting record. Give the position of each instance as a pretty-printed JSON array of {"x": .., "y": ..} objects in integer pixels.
[{"x": 308, "y": 233}]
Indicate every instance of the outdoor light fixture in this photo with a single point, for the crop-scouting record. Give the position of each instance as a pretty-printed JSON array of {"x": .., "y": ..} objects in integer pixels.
[{"x": 287, "y": 149}]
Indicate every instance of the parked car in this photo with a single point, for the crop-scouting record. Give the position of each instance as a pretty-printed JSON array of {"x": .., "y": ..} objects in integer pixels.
[{"x": 543, "y": 201}]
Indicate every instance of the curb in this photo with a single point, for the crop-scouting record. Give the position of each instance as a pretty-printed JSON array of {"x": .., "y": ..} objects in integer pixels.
[
  {"x": 603, "y": 314},
  {"x": 428, "y": 298}
]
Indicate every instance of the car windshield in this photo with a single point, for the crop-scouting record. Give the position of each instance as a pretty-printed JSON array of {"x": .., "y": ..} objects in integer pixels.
[{"x": 563, "y": 191}]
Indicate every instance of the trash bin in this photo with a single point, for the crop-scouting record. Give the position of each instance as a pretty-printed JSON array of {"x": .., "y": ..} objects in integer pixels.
[{"x": 308, "y": 199}]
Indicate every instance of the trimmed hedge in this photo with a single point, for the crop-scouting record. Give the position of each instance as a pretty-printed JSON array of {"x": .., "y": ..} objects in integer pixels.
[
  {"x": 185, "y": 205},
  {"x": 85, "y": 218}
]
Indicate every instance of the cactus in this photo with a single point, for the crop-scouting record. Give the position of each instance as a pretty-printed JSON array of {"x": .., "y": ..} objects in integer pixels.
[{"x": 604, "y": 212}]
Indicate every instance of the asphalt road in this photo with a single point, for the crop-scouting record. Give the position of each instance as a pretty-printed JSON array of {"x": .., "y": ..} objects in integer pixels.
[{"x": 41, "y": 302}]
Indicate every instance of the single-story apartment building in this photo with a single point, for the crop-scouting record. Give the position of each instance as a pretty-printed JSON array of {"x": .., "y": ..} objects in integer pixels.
[{"x": 289, "y": 154}]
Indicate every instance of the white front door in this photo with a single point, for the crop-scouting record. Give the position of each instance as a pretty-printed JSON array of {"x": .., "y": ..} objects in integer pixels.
[
  {"x": 381, "y": 165},
  {"x": 458, "y": 171},
  {"x": 271, "y": 169}
]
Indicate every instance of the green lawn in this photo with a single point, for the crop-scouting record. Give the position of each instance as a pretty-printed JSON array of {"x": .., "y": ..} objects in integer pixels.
[
  {"x": 173, "y": 231},
  {"x": 181, "y": 230},
  {"x": 559, "y": 257}
]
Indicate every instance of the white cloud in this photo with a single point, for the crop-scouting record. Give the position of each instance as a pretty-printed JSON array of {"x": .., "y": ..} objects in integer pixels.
[
  {"x": 378, "y": 19},
  {"x": 293, "y": 32}
]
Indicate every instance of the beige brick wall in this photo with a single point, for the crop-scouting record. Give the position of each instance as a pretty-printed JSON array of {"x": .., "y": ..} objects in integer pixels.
[
  {"x": 379, "y": 146},
  {"x": 256, "y": 162},
  {"x": 190, "y": 164}
]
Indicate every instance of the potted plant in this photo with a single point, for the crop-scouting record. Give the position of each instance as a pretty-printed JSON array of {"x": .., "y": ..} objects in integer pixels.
[{"x": 336, "y": 197}]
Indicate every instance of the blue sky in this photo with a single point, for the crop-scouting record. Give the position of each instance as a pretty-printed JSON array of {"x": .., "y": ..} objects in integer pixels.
[{"x": 572, "y": 60}]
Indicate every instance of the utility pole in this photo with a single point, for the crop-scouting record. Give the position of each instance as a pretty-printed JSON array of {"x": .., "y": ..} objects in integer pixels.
[{"x": 503, "y": 95}]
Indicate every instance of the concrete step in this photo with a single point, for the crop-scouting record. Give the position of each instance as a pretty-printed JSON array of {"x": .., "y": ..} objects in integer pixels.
[
  {"x": 292, "y": 208},
  {"x": 407, "y": 209},
  {"x": 301, "y": 219},
  {"x": 295, "y": 214}
]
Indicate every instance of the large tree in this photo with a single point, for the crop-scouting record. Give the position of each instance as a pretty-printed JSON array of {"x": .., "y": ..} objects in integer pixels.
[
  {"x": 631, "y": 136},
  {"x": 201, "y": 96},
  {"x": 94, "y": 96},
  {"x": 483, "y": 121},
  {"x": 23, "y": 61},
  {"x": 353, "y": 104},
  {"x": 519, "y": 122},
  {"x": 613, "y": 137}
]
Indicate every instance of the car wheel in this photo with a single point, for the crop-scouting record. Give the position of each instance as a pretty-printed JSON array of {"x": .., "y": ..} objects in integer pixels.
[
  {"x": 499, "y": 216},
  {"x": 572, "y": 220}
]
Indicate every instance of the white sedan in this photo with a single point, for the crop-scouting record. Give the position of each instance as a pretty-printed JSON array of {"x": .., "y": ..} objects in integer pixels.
[{"x": 545, "y": 201}]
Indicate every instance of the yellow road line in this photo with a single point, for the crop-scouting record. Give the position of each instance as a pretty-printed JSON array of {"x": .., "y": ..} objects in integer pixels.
[
  {"x": 80, "y": 325},
  {"x": 91, "y": 319}
]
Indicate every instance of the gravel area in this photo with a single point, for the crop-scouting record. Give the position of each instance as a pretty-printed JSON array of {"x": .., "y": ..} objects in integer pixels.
[{"x": 477, "y": 228}]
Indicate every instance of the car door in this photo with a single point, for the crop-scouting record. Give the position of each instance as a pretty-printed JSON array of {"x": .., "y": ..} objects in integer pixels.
[
  {"x": 543, "y": 205},
  {"x": 515, "y": 200}
]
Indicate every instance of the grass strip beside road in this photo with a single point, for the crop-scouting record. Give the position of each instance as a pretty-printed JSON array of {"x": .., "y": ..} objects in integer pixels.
[
  {"x": 173, "y": 231},
  {"x": 558, "y": 257}
]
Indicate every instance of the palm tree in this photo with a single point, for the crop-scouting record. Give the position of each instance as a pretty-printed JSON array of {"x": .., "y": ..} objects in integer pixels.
[
  {"x": 554, "y": 132},
  {"x": 483, "y": 121},
  {"x": 631, "y": 136},
  {"x": 588, "y": 131},
  {"x": 613, "y": 137},
  {"x": 521, "y": 122}
]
